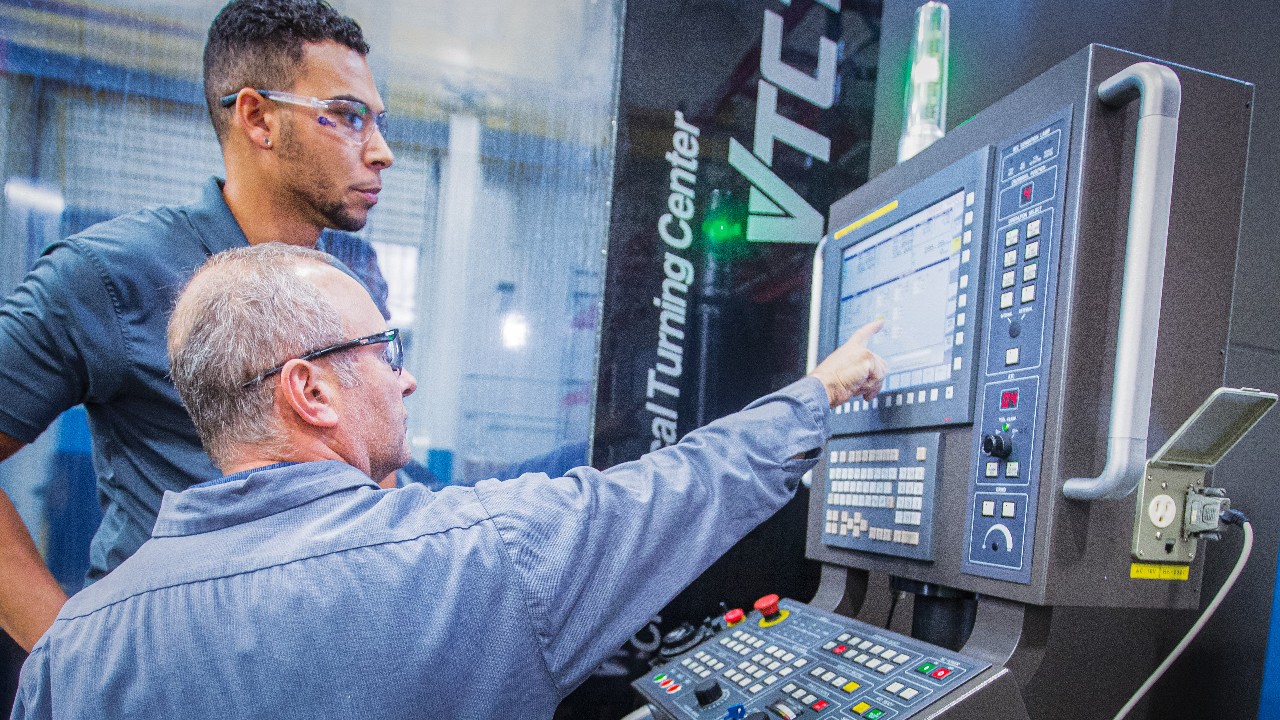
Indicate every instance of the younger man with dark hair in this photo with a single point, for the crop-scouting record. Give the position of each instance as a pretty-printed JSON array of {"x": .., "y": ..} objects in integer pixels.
[{"x": 299, "y": 119}]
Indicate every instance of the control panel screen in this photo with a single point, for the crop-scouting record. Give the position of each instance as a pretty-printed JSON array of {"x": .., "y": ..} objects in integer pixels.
[
  {"x": 915, "y": 261},
  {"x": 909, "y": 275}
]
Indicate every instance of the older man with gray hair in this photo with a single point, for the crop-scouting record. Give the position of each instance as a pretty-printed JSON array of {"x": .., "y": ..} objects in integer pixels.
[{"x": 288, "y": 587}]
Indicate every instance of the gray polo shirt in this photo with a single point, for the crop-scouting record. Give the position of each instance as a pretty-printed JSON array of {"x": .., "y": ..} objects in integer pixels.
[{"x": 87, "y": 325}]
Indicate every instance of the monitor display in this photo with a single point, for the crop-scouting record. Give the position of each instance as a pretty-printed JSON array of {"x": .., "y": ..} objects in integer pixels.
[{"x": 909, "y": 274}]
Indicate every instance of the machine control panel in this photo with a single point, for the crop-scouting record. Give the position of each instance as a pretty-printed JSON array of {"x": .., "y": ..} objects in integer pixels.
[
  {"x": 801, "y": 662},
  {"x": 1021, "y": 284},
  {"x": 879, "y": 492}
]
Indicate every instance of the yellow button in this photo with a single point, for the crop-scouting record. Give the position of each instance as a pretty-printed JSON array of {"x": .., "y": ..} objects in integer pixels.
[
  {"x": 850, "y": 686},
  {"x": 861, "y": 708}
]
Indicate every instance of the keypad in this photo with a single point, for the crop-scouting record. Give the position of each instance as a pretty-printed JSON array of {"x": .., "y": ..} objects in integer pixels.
[
  {"x": 812, "y": 664},
  {"x": 882, "y": 478}
]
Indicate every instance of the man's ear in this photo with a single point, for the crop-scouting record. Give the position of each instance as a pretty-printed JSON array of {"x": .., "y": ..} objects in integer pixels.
[
  {"x": 310, "y": 392},
  {"x": 255, "y": 116}
]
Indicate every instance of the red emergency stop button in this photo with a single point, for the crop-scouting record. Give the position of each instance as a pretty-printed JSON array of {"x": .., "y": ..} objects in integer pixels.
[
  {"x": 767, "y": 606},
  {"x": 734, "y": 616}
]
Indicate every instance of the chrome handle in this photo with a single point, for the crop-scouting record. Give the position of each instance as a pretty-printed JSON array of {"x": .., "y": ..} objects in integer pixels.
[{"x": 1160, "y": 95}]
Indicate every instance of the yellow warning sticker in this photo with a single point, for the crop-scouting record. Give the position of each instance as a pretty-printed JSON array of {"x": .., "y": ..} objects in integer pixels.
[{"x": 1152, "y": 571}]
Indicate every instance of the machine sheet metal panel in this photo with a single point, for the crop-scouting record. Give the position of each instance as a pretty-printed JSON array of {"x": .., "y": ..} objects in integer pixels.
[{"x": 1045, "y": 313}]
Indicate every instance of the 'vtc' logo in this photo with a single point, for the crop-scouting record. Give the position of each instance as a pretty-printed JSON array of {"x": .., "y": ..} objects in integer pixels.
[{"x": 777, "y": 212}]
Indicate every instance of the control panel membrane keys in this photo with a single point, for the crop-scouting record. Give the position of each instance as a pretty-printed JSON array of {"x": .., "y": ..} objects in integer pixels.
[{"x": 807, "y": 664}]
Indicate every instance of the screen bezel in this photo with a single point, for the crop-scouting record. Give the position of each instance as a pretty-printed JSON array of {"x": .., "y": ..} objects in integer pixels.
[{"x": 971, "y": 174}]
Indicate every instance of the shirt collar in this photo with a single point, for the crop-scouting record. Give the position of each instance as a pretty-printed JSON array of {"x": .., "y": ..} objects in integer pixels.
[
  {"x": 211, "y": 219},
  {"x": 252, "y": 495}
]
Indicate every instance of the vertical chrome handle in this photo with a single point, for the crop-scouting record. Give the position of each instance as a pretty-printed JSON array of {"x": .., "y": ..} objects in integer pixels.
[{"x": 1160, "y": 95}]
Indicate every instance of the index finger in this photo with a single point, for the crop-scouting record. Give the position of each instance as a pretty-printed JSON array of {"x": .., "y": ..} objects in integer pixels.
[{"x": 864, "y": 333}]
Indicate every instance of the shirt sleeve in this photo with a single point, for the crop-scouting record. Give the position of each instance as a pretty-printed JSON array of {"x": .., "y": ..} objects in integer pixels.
[
  {"x": 34, "y": 700},
  {"x": 602, "y": 551},
  {"x": 60, "y": 341}
]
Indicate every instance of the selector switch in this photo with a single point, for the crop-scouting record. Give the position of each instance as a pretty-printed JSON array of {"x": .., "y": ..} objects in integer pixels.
[
  {"x": 997, "y": 445},
  {"x": 708, "y": 692}
]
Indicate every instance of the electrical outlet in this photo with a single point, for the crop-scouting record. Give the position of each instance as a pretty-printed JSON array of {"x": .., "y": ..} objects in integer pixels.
[{"x": 1159, "y": 534}]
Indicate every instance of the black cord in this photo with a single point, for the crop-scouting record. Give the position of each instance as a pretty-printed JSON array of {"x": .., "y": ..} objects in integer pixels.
[
  {"x": 1231, "y": 516},
  {"x": 893, "y": 605}
]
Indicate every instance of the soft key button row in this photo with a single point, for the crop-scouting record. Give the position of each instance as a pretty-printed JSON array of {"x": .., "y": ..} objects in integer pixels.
[
  {"x": 702, "y": 664},
  {"x": 872, "y": 475},
  {"x": 861, "y": 456},
  {"x": 903, "y": 380}
]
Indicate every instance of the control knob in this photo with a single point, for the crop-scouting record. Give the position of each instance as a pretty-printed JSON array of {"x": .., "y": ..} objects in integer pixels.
[
  {"x": 997, "y": 445},
  {"x": 708, "y": 692}
]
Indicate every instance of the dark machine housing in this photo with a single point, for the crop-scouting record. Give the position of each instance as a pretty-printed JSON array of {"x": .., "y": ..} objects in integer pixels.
[{"x": 1044, "y": 339}]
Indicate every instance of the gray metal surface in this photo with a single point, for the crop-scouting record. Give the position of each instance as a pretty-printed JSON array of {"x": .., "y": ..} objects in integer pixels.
[
  {"x": 1081, "y": 553},
  {"x": 997, "y": 47}
]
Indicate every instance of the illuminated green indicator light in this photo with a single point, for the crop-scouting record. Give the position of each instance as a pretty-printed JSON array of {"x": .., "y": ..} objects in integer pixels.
[
  {"x": 873, "y": 714},
  {"x": 723, "y": 222},
  {"x": 659, "y": 677},
  {"x": 1005, "y": 427},
  {"x": 926, "y": 668}
]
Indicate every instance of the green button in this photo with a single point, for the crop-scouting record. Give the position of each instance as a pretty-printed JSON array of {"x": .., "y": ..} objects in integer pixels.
[
  {"x": 926, "y": 668},
  {"x": 659, "y": 677},
  {"x": 873, "y": 714}
]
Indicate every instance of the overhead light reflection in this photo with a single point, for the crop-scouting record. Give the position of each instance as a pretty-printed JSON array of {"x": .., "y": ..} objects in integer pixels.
[
  {"x": 515, "y": 331},
  {"x": 18, "y": 191}
]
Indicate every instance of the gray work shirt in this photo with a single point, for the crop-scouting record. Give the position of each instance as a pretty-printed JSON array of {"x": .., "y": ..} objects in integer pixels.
[
  {"x": 305, "y": 591},
  {"x": 87, "y": 325}
]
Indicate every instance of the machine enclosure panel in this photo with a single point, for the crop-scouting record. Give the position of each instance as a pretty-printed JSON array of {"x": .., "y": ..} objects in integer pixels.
[{"x": 1079, "y": 551}]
